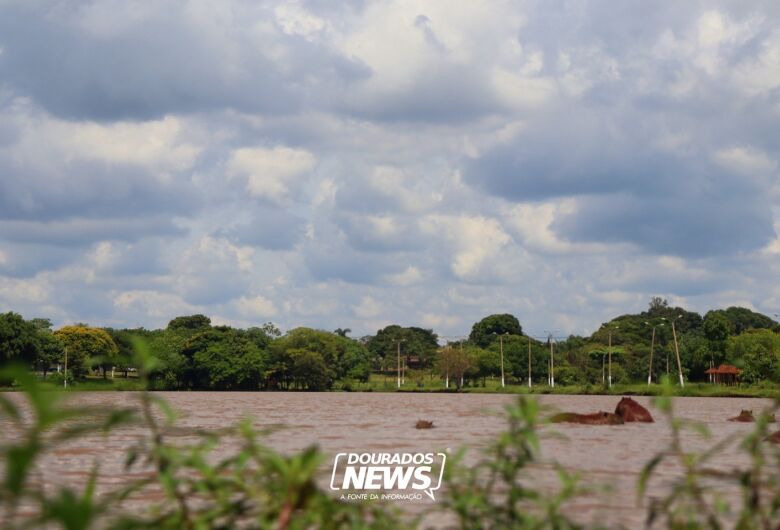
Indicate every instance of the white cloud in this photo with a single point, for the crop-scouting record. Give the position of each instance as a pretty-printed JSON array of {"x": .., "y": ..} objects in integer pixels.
[
  {"x": 160, "y": 145},
  {"x": 367, "y": 308},
  {"x": 156, "y": 306},
  {"x": 745, "y": 160},
  {"x": 474, "y": 240},
  {"x": 256, "y": 306},
  {"x": 410, "y": 276},
  {"x": 270, "y": 173},
  {"x": 533, "y": 222}
]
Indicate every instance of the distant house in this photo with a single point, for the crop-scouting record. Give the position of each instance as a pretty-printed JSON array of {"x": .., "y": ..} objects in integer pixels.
[{"x": 725, "y": 374}]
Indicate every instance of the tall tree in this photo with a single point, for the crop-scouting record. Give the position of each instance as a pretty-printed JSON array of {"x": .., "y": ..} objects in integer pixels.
[
  {"x": 85, "y": 346},
  {"x": 190, "y": 324},
  {"x": 18, "y": 339},
  {"x": 418, "y": 342},
  {"x": 485, "y": 331}
]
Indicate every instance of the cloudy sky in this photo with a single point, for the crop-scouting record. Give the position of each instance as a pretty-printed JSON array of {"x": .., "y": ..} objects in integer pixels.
[{"x": 354, "y": 164}]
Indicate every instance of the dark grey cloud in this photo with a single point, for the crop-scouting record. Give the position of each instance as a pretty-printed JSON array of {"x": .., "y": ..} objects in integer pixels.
[
  {"x": 27, "y": 260},
  {"x": 268, "y": 227},
  {"x": 173, "y": 58},
  {"x": 682, "y": 225},
  {"x": 381, "y": 234},
  {"x": 92, "y": 189},
  {"x": 76, "y": 232},
  {"x": 443, "y": 93}
]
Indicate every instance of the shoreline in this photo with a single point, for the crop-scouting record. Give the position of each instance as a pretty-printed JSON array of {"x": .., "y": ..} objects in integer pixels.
[{"x": 691, "y": 390}]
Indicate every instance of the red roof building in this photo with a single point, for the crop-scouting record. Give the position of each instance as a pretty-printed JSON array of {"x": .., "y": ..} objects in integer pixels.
[{"x": 725, "y": 374}]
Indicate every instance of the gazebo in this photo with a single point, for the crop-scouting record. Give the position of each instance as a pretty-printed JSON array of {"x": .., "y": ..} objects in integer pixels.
[{"x": 725, "y": 374}]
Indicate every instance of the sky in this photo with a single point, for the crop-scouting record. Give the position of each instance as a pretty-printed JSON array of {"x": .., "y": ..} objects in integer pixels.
[{"x": 354, "y": 164}]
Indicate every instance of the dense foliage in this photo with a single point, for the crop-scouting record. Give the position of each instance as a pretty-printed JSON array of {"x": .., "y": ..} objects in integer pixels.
[{"x": 193, "y": 354}]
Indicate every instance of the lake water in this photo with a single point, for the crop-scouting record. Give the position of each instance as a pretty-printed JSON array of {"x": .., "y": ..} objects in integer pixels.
[{"x": 366, "y": 422}]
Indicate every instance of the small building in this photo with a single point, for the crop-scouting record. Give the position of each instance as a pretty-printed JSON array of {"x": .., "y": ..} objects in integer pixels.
[{"x": 725, "y": 374}]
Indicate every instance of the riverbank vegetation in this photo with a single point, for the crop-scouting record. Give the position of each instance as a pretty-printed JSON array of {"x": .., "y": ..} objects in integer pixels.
[
  {"x": 229, "y": 479},
  {"x": 619, "y": 357}
]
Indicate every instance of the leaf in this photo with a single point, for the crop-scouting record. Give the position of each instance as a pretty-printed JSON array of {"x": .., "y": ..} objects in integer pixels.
[
  {"x": 645, "y": 475},
  {"x": 10, "y": 409}
]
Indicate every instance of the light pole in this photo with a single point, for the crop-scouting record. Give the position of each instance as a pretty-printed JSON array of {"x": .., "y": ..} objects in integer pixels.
[
  {"x": 65, "y": 383},
  {"x": 447, "y": 369},
  {"x": 677, "y": 353},
  {"x": 462, "y": 364},
  {"x": 398, "y": 359},
  {"x": 603, "y": 368},
  {"x": 529, "y": 362},
  {"x": 551, "y": 376},
  {"x": 501, "y": 348},
  {"x": 652, "y": 347},
  {"x": 609, "y": 369}
]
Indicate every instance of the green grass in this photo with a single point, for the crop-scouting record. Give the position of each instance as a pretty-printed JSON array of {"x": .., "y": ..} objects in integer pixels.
[
  {"x": 91, "y": 383},
  {"x": 380, "y": 383}
]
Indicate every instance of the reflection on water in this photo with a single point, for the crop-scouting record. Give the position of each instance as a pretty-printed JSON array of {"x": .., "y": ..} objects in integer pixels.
[{"x": 357, "y": 422}]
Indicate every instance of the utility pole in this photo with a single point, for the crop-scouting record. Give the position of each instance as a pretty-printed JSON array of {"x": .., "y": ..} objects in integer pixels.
[
  {"x": 447, "y": 370},
  {"x": 529, "y": 362},
  {"x": 552, "y": 362},
  {"x": 609, "y": 354},
  {"x": 677, "y": 353},
  {"x": 398, "y": 360},
  {"x": 462, "y": 364},
  {"x": 66, "y": 367},
  {"x": 501, "y": 342},
  {"x": 650, "y": 367}
]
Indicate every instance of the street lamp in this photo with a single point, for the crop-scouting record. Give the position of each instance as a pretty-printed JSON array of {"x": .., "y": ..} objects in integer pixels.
[
  {"x": 462, "y": 364},
  {"x": 65, "y": 384},
  {"x": 677, "y": 351},
  {"x": 398, "y": 359},
  {"x": 551, "y": 376},
  {"x": 652, "y": 347},
  {"x": 609, "y": 376},
  {"x": 529, "y": 362},
  {"x": 501, "y": 343}
]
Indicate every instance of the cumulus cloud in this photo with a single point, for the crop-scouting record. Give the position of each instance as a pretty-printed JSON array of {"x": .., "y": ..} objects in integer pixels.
[
  {"x": 270, "y": 174},
  {"x": 360, "y": 163}
]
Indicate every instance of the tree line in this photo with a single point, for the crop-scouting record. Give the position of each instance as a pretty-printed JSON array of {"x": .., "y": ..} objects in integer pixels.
[{"x": 191, "y": 353}]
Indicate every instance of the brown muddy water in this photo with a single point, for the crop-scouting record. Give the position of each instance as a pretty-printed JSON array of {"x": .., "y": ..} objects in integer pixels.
[{"x": 609, "y": 456}]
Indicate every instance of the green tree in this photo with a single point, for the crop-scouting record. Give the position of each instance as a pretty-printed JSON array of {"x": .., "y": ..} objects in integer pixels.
[
  {"x": 18, "y": 340},
  {"x": 452, "y": 363},
  {"x": 309, "y": 371},
  {"x": 484, "y": 332},
  {"x": 742, "y": 319},
  {"x": 516, "y": 358},
  {"x": 190, "y": 324},
  {"x": 123, "y": 338},
  {"x": 417, "y": 342},
  {"x": 85, "y": 346},
  {"x": 757, "y": 353},
  {"x": 484, "y": 363},
  {"x": 223, "y": 358},
  {"x": 169, "y": 371},
  {"x": 50, "y": 352}
]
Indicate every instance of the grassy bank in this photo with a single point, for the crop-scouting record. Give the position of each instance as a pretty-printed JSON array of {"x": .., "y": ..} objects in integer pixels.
[{"x": 380, "y": 383}]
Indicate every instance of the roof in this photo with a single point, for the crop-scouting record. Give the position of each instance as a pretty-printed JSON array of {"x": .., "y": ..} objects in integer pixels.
[{"x": 724, "y": 369}]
